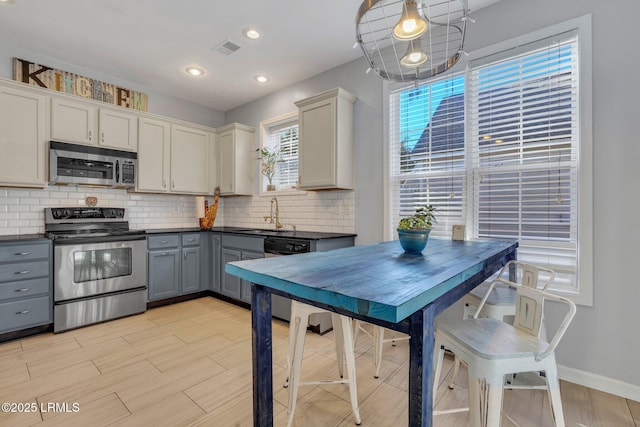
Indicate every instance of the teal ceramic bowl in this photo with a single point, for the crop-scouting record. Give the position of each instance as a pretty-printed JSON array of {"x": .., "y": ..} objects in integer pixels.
[{"x": 413, "y": 241}]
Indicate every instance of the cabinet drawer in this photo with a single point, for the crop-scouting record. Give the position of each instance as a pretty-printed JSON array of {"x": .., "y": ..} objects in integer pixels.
[
  {"x": 23, "y": 252},
  {"x": 24, "y": 288},
  {"x": 23, "y": 271},
  {"x": 163, "y": 241},
  {"x": 25, "y": 313},
  {"x": 191, "y": 239},
  {"x": 255, "y": 244}
]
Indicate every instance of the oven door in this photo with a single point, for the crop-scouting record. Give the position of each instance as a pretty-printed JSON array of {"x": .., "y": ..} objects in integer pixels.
[{"x": 84, "y": 270}]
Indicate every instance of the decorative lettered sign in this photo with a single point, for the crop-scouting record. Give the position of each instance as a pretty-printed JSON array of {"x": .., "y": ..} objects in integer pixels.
[{"x": 73, "y": 84}]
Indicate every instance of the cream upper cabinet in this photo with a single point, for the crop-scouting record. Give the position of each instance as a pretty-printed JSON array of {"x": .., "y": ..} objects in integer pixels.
[
  {"x": 189, "y": 149},
  {"x": 213, "y": 169},
  {"x": 118, "y": 129},
  {"x": 235, "y": 162},
  {"x": 86, "y": 123},
  {"x": 23, "y": 138},
  {"x": 326, "y": 140},
  {"x": 154, "y": 156},
  {"x": 73, "y": 121}
]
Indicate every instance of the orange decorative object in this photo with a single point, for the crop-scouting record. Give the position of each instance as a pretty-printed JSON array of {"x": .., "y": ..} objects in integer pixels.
[{"x": 210, "y": 216}]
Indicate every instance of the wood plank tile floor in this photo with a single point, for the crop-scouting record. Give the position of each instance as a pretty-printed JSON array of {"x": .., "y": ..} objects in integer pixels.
[{"x": 189, "y": 364}]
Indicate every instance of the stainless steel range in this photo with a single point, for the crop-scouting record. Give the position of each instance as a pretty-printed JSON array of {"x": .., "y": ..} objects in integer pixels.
[{"x": 100, "y": 266}]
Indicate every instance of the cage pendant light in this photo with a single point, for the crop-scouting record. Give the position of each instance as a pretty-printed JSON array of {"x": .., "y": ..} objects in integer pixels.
[{"x": 410, "y": 40}]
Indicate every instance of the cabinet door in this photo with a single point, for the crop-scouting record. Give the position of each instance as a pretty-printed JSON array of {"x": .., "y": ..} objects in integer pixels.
[
  {"x": 73, "y": 121},
  {"x": 153, "y": 155},
  {"x": 215, "y": 263},
  {"x": 118, "y": 129},
  {"x": 23, "y": 140},
  {"x": 191, "y": 270},
  {"x": 227, "y": 162},
  {"x": 231, "y": 285},
  {"x": 164, "y": 274},
  {"x": 246, "y": 286},
  {"x": 318, "y": 144},
  {"x": 188, "y": 160}
]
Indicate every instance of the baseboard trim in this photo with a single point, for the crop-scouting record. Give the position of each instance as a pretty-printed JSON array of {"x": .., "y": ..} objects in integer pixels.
[{"x": 599, "y": 382}]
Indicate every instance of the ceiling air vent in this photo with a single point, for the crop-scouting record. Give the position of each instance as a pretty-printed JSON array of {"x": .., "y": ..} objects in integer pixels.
[{"x": 227, "y": 47}]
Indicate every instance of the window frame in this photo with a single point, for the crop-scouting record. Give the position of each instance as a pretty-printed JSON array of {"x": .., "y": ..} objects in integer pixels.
[
  {"x": 582, "y": 291},
  {"x": 265, "y": 134}
]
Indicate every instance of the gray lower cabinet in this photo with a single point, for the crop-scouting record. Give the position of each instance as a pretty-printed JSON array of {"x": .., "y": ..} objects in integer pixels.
[
  {"x": 175, "y": 265},
  {"x": 214, "y": 262},
  {"x": 245, "y": 295},
  {"x": 231, "y": 285},
  {"x": 191, "y": 256},
  {"x": 236, "y": 248},
  {"x": 25, "y": 285}
]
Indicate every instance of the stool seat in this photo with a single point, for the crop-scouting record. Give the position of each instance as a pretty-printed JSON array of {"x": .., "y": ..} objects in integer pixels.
[{"x": 342, "y": 328}]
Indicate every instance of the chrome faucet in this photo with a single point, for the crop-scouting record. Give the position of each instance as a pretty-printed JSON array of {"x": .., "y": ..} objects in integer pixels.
[{"x": 275, "y": 219}]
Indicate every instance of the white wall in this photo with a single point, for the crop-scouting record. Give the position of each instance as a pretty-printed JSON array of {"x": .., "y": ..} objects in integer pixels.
[
  {"x": 158, "y": 103},
  {"x": 368, "y": 146},
  {"x": 602, "y": 344}
]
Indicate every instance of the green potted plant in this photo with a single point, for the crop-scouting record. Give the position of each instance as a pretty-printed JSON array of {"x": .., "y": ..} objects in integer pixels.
[
  {"x": 413, "y": 231},
  {"x": 269, "y": 158}
]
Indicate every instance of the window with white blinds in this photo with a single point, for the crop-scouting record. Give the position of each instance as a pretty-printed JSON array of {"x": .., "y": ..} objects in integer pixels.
[
  {"x": 282, "y": 134},
  {"x": 497, "y": 148}
]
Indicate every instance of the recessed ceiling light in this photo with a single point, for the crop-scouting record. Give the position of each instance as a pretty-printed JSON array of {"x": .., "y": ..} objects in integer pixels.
[
  {"x": 261, "y": 78},
  {"x": 251, "y": 33},
  {"x": 7, "y": 1},
  {"x": 194, "y": 71}
]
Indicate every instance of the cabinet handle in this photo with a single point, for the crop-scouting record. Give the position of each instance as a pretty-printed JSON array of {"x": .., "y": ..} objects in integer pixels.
[
  {"x": 191, "y": 240},
  {"x": 102, "y": 136},
  {"x": 22, "y": 253},
  {"x": 23, "y": 272},
  {"x": 164, "y": 254},
  {"x": 185, "y": 255},
  {"x": 23, "y": 312},
  {"x": 22, "y": 290},
  {"x": 173, "y": 184},
  {"x": 89, "y": 135},
  {"x": 164, "y": 242},
  {"x": 164, "y": 184}
]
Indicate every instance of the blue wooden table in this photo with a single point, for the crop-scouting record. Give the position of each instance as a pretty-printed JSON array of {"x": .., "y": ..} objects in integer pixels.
[{"x": 379, "y": 284}]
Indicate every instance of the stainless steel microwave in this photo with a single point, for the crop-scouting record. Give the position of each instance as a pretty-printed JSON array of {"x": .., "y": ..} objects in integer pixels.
[{"x": 73, "y": 164}]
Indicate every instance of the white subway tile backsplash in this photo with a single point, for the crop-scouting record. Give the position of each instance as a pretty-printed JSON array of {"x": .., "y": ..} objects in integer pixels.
[
  {"x": 312, "y": 211},
  {"x": 22, "y": 210}
]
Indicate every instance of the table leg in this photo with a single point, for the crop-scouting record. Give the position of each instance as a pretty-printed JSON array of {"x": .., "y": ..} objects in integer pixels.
[
  {"x": 262, "y": 357},
  {"x": 421, "y": 327}
]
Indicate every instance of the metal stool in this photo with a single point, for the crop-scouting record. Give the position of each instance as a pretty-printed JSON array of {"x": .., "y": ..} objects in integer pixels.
[
  {"x": 344, "y": 351},
  {"x": 377, "y": 336}
]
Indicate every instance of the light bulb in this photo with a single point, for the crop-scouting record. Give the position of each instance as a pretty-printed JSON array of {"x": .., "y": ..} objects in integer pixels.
[
  {"x": 411, "y": 25},
  {"x": 414, "y": 56}
]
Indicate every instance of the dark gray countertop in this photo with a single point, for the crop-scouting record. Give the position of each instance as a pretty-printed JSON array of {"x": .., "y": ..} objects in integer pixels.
[
  {"x": 290, "y": 234},
  {"x": 173, "y": 230},
  {"x": 22, "y": 237}
]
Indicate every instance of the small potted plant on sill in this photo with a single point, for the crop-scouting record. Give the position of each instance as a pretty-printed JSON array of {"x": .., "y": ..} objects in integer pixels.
[
  {"x": 269, "y": 158},
  {"x": 413, "y": 231}
]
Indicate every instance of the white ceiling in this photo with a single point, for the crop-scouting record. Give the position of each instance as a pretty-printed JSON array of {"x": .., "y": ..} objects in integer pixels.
[{"x": 150, "y": 42}]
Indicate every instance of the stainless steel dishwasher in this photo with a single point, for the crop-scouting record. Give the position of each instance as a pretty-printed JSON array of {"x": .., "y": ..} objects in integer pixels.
[{"x": 281, "y": 306}]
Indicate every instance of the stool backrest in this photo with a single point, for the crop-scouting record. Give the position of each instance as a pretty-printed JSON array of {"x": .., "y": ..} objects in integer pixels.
[{"x": 530, "y": 302}]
